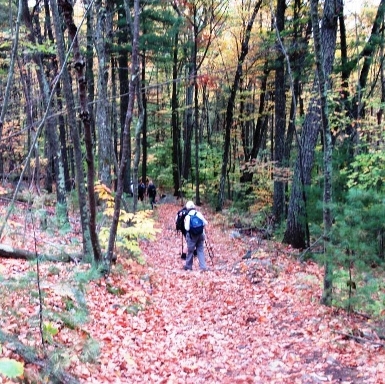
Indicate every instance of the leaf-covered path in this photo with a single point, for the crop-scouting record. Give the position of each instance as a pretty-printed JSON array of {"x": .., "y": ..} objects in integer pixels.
[{"x": 243, "y": 322}]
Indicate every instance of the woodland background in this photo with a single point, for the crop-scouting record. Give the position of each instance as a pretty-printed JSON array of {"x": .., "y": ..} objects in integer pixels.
[{"x": 269, "y": 113}]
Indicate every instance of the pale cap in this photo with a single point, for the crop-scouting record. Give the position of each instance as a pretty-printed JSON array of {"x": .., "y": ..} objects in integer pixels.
[{"x": 190, "y": 205}]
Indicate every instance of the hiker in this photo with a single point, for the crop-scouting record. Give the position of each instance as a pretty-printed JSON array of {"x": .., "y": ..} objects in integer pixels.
[
  {"x": 194, "y": 224},
  {"x": 151, "y": 193},
  {"x": 179, "y": 226},
  {"x": 141, "y": 190}
]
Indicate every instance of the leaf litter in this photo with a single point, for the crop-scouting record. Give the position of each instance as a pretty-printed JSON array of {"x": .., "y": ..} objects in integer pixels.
[{"x": 245, "y": 321}]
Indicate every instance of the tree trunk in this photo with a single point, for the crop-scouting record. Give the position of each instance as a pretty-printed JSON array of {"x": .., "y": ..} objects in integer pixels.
[
  {"x": 123, "y": 38},
  {"x": 102, "y": 42},
  {"x": 260, "y": 126},
  {"x": 143, "y": 130},
  {"x": 297, "y": 231},
  {"x": 280, "y": 120},
  {"x": 176, "y": 149},
  {"x": 327, "y": 197},
  {"x": 54, "y": 153},
  {"x": 10, "y": 76},
  {"x": 70, "y": 103},
  {"x": 230, "y": 106},
  {"x": 79, "y": 65},
  {"x": 133, "y": 86}
]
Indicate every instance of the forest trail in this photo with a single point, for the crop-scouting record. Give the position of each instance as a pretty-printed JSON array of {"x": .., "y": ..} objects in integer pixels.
[
  {"x": 245, "y": 321},
  {"x": 219, "y": 327}
]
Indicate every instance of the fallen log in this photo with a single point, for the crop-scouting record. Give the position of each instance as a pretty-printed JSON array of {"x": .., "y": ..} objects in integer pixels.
[
  {"x": 9, "y": 252},
  {"x": 51, "y": 372}
]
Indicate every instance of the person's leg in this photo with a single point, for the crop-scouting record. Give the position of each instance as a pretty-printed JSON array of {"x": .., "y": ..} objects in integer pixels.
[
  {"x": 190, "y": 251},
  {"x": 200, "y": 252}
]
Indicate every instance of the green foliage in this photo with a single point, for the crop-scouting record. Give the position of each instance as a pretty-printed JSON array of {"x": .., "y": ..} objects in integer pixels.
[
  {"x": 367, "y": 172},
  {"x": 49, "y": 331},
  {"x": 11, "y": 368},
  {"x": 73, "y": 318},
  {"x": 90, "y": 351},
  {"x": 357, "y": 245},
  {"x": 62, "y": 218},
  {"x": 134, "y": 308},
  {"x": 94, "y": 272},
  {"x": 364, "y": 292},
  {"x": 359, "y": 223}
]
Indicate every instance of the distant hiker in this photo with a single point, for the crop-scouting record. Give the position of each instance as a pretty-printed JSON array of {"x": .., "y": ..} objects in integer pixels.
[
  {"x": 194, "y": 224},
  {"x": 141, "y": 190},
  {"x": 151, "y": 192}
]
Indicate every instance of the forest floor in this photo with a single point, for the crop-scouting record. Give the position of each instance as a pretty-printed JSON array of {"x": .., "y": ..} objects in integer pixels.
[{"x": 245, "y": 321}]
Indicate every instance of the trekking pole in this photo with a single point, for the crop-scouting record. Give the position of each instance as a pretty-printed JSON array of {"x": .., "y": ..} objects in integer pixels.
[{"x": 210, "y": 251}]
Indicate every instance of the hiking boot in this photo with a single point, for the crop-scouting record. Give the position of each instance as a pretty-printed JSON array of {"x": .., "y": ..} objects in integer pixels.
[
  {"x": 205, "y": 270},
  {"x": 187, "y": 268}
]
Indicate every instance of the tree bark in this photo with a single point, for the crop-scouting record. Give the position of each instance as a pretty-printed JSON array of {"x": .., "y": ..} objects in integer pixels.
[
  {"x": 297, "y": 232},
  {"x": 54, "y": 153},
  {"x": 10, "y": 76},
  {"x": 230, "y": 106},
  {"x": 102, "y": 42},
  {"x": 280, "y": 120},
  {"x": 327, "y": 197},
  {"x": 176, "y": 149},
  {"x": 70, "y": 102},
  {"x": 123, "y": 39},
  {"x": 133, "y": 86},
  {"x": 85, "y": 117}
]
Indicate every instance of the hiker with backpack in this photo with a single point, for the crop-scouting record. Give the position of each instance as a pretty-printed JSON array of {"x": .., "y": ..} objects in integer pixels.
[
  {"x": 151, "y": 192},
  {"x": 179, "y": 226},
  {"x": 194, "y": 224},
  {"x": 141, "y": 190}
]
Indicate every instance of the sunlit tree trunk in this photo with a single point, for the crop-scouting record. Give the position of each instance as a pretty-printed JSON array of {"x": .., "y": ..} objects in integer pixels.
[{"x": 102, "y": 40}]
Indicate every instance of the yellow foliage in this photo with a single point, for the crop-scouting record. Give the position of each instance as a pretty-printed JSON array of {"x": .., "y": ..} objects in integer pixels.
[
  {"x": 132, "y": 227},
  {"x": 104, "y": 192}
]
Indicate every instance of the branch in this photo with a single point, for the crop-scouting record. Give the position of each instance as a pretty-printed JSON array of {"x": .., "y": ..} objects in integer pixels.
[
  {"x": 360, "y": 339},
  {"x": 52, "y": 373}
]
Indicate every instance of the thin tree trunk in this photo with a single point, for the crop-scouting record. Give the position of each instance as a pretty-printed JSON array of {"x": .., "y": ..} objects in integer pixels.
[
  {"x": 230, "y": 106},
  {"x": 327, "y": 197},
  {"x": 79, "y": 172},
  {"x": 133, "y": 86},
  {"x": 79, "y": 64},
  {"x": 123, "y": 38},
  {"x": 176, "y": 155},
  {"x": 280, "y": 120},
  {"x": 54, "y": 153},
  {"x": 143, "y": 130},
  {"x": 10, "y": 76},
  {"x": 102, "y": 39}
]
